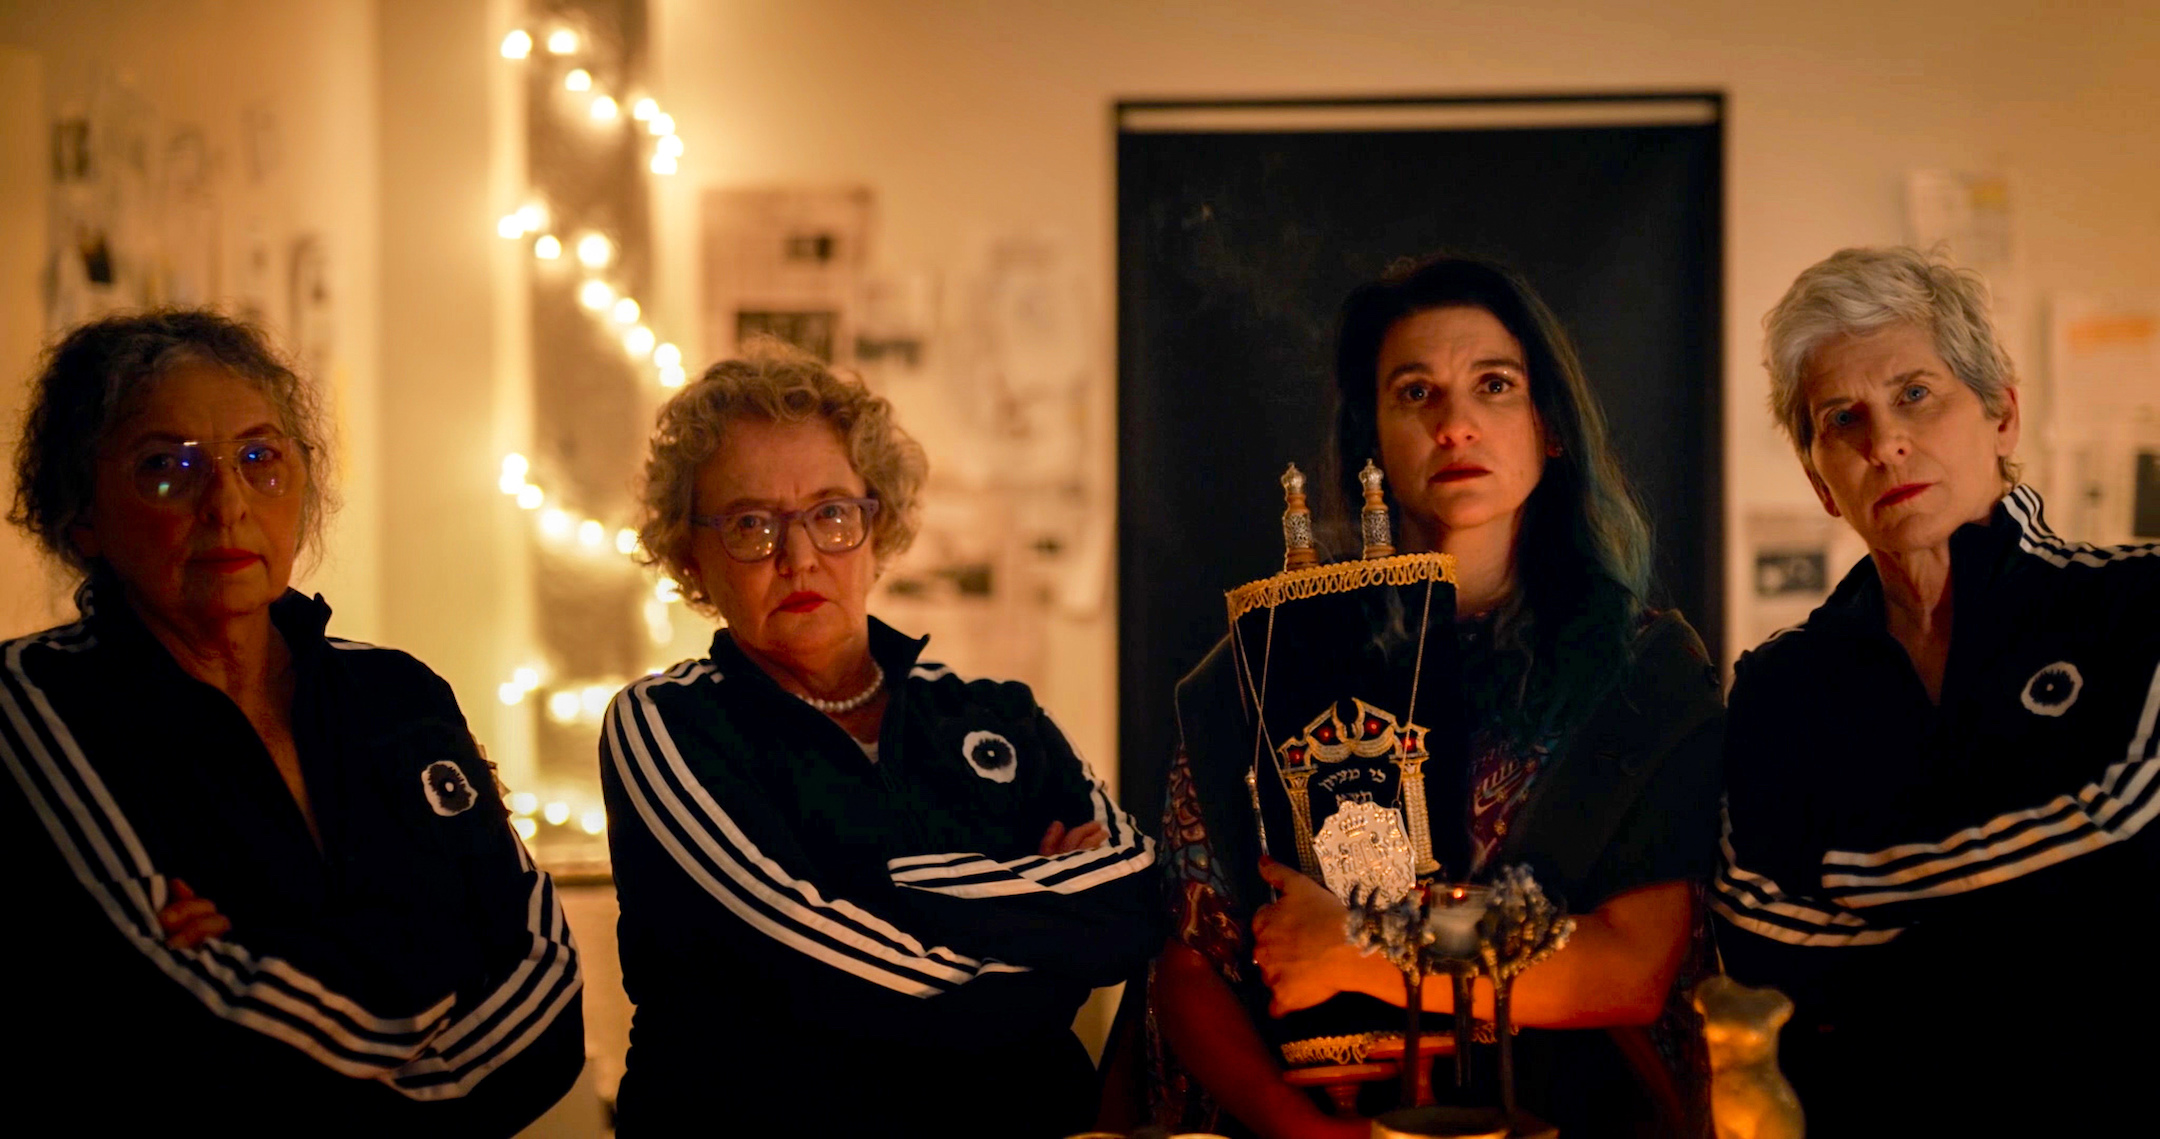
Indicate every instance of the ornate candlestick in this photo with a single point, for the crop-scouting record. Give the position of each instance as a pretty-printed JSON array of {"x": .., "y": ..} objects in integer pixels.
[
  {"x": 1373, "y": 520},
  {"x": 1522, "y": 928},
  {"x": 1297, "y": 535}
]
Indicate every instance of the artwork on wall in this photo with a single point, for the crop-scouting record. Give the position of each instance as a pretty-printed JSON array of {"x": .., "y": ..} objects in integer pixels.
[
  {"x": 784, "y": 262},
  {"x": 2100, "y": 422}
]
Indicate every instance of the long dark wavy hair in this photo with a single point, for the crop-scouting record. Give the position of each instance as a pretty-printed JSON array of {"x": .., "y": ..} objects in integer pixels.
[{"x": 1583, "y": 552}]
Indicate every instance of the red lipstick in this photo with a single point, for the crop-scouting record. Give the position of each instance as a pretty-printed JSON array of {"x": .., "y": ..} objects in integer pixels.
[
  {"x": 1457, "y": 472},
  {"x": 1898, "y": 494},
  {"x": 226, "y": 559},
  {"x": 800, "y": 601}
]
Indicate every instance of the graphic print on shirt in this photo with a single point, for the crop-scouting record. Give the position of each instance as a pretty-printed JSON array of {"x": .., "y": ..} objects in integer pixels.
[
  {"x": 448, "y": 791},
  {"x": 991, "y": 755},
  {"x": 1500, "y": 782},
  {"x": 2053, "y": 689}
]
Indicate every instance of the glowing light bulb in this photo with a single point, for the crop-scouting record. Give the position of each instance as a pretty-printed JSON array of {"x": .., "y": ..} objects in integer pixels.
[
  {"x": 514, "y": 469},
  {"x": 604, "y": 109},
  {"x": 561, "y": 41},
  {"x": 526, "y": 828},
  {"x": 563, "y": 707},
  {"x": 526, "y": 677},
  {"x": 664, "y": 164},
  {"x": 595, "y": 295},
  {"x": 555, "y": 523},
  {"x": 670, "y": 145},
  {"x": 593, "y": 251},
  {"x": 530, "y": 497},
  {"x": 673, "y": 377},
  {"x": 548, "y": 247},
  {"x": 523, "y": 802},
  {"x": 593, "y": 699},
  {"x": 638, "y": 341},
  {"x": 509, "y": 693},
  {"x": 661, "y": 124},
  {"x": 665, "y": 590},
  {"x": 644, "y": 109},
  {"x": 591, "y": 533},
  {"x": 625, "y": 311},
  {"x": 592, "y": 821},
  {"x": 626, "y": 542},
  {"x": 510, "y": 228},
  {"x": 578, "y": 80},
  {"x": 667, "y": 356},
  {"x": 517, "y": 45},
  {"x": 556, "y": 813}
]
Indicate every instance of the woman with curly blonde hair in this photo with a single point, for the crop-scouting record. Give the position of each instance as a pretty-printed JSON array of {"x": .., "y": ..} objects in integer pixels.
[{"x": 842, "y": 868}]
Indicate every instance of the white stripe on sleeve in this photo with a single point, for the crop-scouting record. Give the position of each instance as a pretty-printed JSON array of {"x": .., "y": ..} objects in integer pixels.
[
  {"x": 2105, "y": 811},
  {"x": 709, "y": 847},
  {"x": 1125, "y": 850}
]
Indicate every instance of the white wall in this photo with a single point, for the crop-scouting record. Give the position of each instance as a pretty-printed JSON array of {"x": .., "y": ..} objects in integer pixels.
[
  {"x": 207, "y": 63},
  {"x": 975, "y": 117}
]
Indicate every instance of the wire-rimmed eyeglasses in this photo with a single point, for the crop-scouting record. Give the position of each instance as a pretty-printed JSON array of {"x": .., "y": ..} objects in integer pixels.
[
  {"x": 835, "y": 526},
  {"x": 172, "y": 473}
]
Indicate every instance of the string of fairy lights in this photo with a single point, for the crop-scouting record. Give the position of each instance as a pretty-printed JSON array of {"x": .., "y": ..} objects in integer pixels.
[{"x": 591, "y": 255}]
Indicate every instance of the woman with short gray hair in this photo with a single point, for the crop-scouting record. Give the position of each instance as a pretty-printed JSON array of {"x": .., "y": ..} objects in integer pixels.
[
  {"x": 1960, "y": 742},
  {"x": 266, "y": 878}
]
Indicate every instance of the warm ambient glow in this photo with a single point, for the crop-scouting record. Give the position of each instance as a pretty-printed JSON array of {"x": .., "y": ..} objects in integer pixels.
[
  {"x": 594, "y": 251},
  {"x": 672, "y": 376},
  {"x": 667, "y": 356},
  {"x": 591, "y": 533},
  {"x": 556, "y": 813},
  {"x": 526, "y": 828},
  {"x": 593, "y": 820},
  {"x": 548, "y": 248},
  {"x": 530, "y": 498},
  {"x": 626, "y": 542},
  {"x": 662, "y": 124},
  {"x": 595, "y": 295},
  {"x": 524, "y": 802},
  {"x": 517, "y": 45},
  {"x": 561, "y": 41},
  {"x": 638, "y": 341},
  {"x": 644, "y": 110},
  {"x": 625, "y": 311},
  {"x": 578, "y": 80},
  {"x": 556, "y": 523},
  {"x": 604, "y": 109},
  {"x": 664, "y": 164}
]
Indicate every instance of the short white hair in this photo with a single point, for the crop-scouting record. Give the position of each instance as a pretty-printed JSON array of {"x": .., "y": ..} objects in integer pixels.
[{"x": 1857, "y": 291}]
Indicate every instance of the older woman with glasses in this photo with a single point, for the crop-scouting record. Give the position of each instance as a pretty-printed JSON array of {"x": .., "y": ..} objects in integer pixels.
[
  {"x": 262, "y": 874},
  {"x": 857, "y": 891}
]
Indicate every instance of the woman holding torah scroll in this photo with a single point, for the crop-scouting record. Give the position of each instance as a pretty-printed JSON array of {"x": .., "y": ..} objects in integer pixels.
[
  {"x": 1592, "y": 736},
  {"x": 859, "y": 894}
]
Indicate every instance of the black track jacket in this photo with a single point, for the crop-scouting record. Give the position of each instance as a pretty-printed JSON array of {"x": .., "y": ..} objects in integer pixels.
[
  {"x": 412, "y": 977},
  {"x": 807, "y": 933},
  {"x": 1958, "y": 896}
]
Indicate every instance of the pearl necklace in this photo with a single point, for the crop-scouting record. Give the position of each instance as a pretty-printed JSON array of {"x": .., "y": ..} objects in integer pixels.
[{"x": 849, "y": 704}]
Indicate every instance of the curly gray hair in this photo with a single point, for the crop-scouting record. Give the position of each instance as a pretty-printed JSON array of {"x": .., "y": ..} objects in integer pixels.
[
  {"x": 1857, "y": 291},
  {"x": 779, "y": 384},
  {"x": 96, "y": 377}
]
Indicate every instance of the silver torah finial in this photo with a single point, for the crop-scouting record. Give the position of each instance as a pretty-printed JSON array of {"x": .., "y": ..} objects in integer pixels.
[
  {"x": 1297, "y": 534},
  {"x": 1373, "y": 520}
]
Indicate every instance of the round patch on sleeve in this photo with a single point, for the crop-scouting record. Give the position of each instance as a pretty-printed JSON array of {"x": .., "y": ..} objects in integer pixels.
[
  {"x": 448, "y": 791},
  {"x": 2053, "y": 689},
  {"x": 991, "y": 755}
]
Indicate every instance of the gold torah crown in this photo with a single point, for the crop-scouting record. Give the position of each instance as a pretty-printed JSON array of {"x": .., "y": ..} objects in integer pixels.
[{"x": 1303, "y": 576}]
